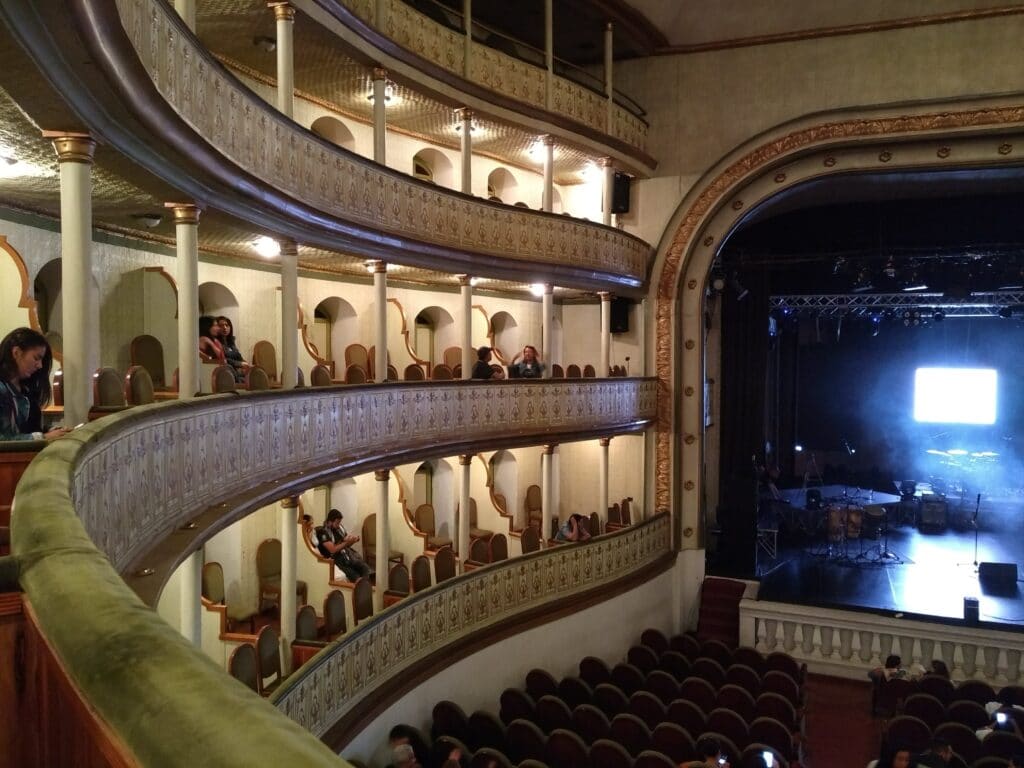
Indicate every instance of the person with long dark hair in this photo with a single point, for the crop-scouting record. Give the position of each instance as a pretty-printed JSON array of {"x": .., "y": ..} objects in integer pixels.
[
  {"x": 210, "y": 348},
  {"x": 25, "y": 362},
  {"x": 231, "y": 352}
]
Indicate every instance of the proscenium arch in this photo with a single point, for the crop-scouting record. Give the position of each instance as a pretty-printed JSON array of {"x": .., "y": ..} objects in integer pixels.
[{"x": 920, "y": 137}]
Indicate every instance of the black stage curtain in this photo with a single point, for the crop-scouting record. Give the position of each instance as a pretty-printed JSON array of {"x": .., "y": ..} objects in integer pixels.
[{"x": 744, "y": 368}]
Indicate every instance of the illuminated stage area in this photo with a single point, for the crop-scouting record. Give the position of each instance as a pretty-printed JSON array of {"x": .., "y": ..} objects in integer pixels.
[{"x": 927, "y": 572}]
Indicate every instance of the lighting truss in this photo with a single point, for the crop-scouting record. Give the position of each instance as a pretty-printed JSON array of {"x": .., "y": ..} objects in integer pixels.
[{"x": 868, "y": 304}]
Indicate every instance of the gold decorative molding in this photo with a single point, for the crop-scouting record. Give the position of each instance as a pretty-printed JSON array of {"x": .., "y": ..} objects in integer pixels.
[
  {"x": 184, "y": 213},
  {"x": 290, "y": 502},
  {"x": 381, "y": 475},
  {"x": 72, "y": 147},
  {"x": 282, "y": 11},
  {"x": 760, "y": 160}
]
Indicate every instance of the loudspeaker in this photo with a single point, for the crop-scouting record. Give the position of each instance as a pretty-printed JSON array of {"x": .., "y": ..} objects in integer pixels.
[
  {"x": 620, "y": 193},
  {"x": 620, "y": 314},
  {"x": 971, "y": 611},
  {"x": 998, "y": 577}
]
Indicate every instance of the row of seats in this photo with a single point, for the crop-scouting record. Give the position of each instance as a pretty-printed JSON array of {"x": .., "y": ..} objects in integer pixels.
[{"x": 913, "y": 733}]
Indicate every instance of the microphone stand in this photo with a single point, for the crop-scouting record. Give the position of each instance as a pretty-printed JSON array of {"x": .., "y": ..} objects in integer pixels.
[{"x": 974, "y": 523}]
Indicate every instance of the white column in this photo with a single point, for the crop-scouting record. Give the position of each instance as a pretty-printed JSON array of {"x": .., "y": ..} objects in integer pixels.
[
  {"x": 546, "y": 493},
  {"x": 380, "y": 310},
  {"x": 186, "y": 252},
  {"x": 465, "y": 117},
  {"x": 81, "y": 327},
  {"x": 466, "y": 463},
  {"x": 380, "y": 82},
  {"x": 284, "y": 16},
  {"x": 289, "y": 535},
  {"x": 289, "y": 314},
  {"x": 606, "y": 332},
  {"x": 602, "y": 480},
  {"x": 609, "y": 89},
  {"x": 187, "y": 10},
  {"x": 549, "y": 53},
  {"x": 190, "y": 598},
  {"x": 467, "y": 49},
  {"x": 466, "y": 327},
  {"x": 639, "y": 367},
  {"x": 546, "y": 327},
  {"x": 607, "y": 190},
  {"x": 383, "y": 538},
  {"x": 547, "y": 192}
]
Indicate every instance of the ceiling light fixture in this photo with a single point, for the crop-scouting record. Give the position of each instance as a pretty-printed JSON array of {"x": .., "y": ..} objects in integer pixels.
[
  {"x": 389, "y": 94},
  {"x": 537, "y": 289},
  {"x": 267, "y": 247},
  {"x": 148, "y": 220},
  {"x": 265, "y": 43}
]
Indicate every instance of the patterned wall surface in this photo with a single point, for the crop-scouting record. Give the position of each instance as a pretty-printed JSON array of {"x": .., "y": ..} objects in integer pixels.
[
  {"x": 500, "y": 72},
  {"x": 321, "y": 693},
  {"x": 156, "y": 467},
  {"x": 246, "y": 130}
]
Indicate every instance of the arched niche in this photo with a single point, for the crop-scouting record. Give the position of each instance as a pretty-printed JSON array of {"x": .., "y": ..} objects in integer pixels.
[
  {"x": 481, "y": 332},
  {"x": 335, "y": 325},
  {"x": 505, "y": 334},
  {"x": 335, "y": 131},
  {"x": 217, "y": 299},
  {"x": 556, "y": 201},
  {"x": 433, "y": 483},
  {"x": 504, "y": 471},
  {"x": 502, "y": 185},
  {"x": 434, "y": 166},
  {"x": 17, "y": 307},
  {"x": 434, "y": 331},
  {"x": 401, "y": 347}
]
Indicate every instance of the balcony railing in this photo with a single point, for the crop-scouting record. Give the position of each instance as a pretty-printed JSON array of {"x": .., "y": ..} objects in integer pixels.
[{"x": 151, "y": 483}]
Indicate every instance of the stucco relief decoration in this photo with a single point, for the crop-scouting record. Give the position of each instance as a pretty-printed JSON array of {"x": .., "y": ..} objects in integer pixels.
[
  {"x": 236, "y": 120},
  {"x": 728, "y": 183}
]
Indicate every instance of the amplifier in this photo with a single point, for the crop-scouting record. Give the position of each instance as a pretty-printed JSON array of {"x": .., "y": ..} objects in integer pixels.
[{"x": 934, "y": 512}]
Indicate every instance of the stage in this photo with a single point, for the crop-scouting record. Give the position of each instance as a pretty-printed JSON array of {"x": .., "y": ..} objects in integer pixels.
[{"x": 923, "y": 574}]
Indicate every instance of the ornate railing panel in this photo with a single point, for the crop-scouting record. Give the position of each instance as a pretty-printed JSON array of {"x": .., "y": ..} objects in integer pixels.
[
  {"x": 500, "y": 72},
  {"x": 848, "y": 643},
  {"x": 324, "y": 691},
  {"x": 150, "y": 473},
  {"x": 251, "y": 134}
]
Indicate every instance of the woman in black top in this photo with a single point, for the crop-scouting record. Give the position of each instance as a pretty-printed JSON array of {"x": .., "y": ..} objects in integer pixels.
[{"x": 231, "y": 352}]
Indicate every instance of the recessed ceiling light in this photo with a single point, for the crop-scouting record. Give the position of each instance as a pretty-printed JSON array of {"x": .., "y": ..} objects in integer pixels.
[
  {"x": 267, "y": 247},
  {"x": 537, "y": 289}
]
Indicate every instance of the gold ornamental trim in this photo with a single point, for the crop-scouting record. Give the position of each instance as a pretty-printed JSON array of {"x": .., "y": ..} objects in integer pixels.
[
  {"x": 744, "y": 170},
  {"x": 184, "y": 213},
  {"x": 72, "y": 147},
  {"x": 282, "y": 11}
]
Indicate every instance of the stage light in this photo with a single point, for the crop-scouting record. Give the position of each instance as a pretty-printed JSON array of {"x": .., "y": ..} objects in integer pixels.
[
  {"x": 915, "y": 286},
  {"x": 1006, "y": 312},
  {"x": 890, "y": 269},
  {"x": 876, "y": 324},
  {"x": 798, "y": 448},
  {"x": 938, "y": 315}
]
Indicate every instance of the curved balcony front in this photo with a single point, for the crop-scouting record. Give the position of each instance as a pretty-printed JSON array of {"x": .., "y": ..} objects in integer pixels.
[
  {"x": 160, "y": 97},
  {"x": 133, "y": 492}
]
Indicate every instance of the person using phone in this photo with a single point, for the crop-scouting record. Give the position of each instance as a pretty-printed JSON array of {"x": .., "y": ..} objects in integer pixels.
[
  {"x": 25, "y": 361},
  {"x": 710, "y": 751}
]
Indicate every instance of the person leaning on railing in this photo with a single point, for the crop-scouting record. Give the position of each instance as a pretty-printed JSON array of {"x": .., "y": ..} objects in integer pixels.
[
  {"x": 531, "y": 367},
  {"x": 25, "y": 361}
]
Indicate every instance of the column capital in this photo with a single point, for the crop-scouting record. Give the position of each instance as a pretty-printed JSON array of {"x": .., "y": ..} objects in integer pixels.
[
  {"x": 283, "y": 11},
  {"x": 289, "y": 502},
  {"x": 604, "y": 441},
  {"x": 609, "y": 26},
  {"x": 381, "y": 475},
  {"x": 465, "y": 459},
  {"x": 72, "y": 147},
  {"x": 464, "y": 113},
  {"x": 547, "y": 140},
  {"x": 184, "y": 213},
  {"x": 377, "y": 266},
  {"x": 605, "y": 162},
  {"x": 464, "y": 280},
  {"x": 605, "y": 295},
  {"x": 379, "y": 73},
  {"x": 549, "y": 289},
  {"x": 549, "y": 449},
  {"x": 288, "y": 247}
]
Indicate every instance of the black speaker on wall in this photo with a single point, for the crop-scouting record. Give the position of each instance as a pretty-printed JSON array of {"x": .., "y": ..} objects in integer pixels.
[
  {"x": 620, "y": 193},
  {"x": 998, "y": 578},
  {"x": 620, "y": 314}
]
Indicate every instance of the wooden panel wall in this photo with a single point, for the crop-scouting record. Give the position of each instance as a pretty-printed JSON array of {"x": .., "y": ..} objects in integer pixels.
[{"x": 12, "y": 464}]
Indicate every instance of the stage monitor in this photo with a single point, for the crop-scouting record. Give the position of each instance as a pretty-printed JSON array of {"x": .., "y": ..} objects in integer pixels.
[{"x": 955, "y": 395}]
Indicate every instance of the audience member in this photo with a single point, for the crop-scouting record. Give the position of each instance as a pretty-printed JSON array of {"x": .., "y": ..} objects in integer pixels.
[
  {"x": 336, "y": 543},
  {"x": 25, "y": 360},
  {"x": 404, "y": 756},
  {"x": 894, "y": 757},
  {"x": 482, "y": 367},
  {"x": 406, "y": 735},
  {"x": 574, "y": 529},
  {"x": 710, "y": 751},
  {"x": 1017, "y": 761},
  {"x": 210, "y": 348},
  {"x": 891, "y": 670},
  {"x": 938, "y": 667},
  {"x": 231, "y": 352},
  {"x": 531, "y": 367},
  {"x": 937, "y": 755}
]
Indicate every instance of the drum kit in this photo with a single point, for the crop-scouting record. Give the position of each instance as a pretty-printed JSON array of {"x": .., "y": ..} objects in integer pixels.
[{"x": 846, "y": 523}]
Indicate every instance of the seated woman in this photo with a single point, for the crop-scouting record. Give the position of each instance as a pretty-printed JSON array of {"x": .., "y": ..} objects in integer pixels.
[
  {"x": 574, "y": 529},
  {"x": 531, "y": 367},
  {"x": 231, "y": 352},
  {"x": 25, "y": 361},
  {"x": 210, "y": 348}
]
